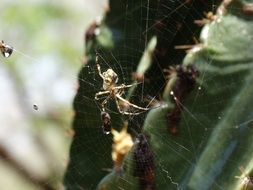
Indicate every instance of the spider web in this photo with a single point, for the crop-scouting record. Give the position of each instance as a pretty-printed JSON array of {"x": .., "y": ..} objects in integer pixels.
[
  {"x": 132, "y": 30},
  {"x": 138, "y": 27}
]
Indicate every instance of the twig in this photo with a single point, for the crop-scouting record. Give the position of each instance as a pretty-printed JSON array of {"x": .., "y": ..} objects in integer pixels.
[{"x": 8, "y": 158}]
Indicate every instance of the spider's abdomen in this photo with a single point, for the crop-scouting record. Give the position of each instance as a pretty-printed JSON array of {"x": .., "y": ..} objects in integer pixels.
[{"x": 110, "y": 79}]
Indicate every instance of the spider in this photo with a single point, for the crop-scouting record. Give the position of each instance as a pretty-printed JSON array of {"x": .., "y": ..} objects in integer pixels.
[
  {"x": 5, "y": 49},
  {"x": 110, "y": 79}
]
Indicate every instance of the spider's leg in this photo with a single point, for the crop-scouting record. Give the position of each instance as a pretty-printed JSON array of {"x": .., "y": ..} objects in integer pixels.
[
  {"x": 98, "y": 67},
  {"x": 103, "y": 104},
  {"x": 101, "y": 93},
  {"x": 125, "y": 112},
  {"x": 123, "y": 86},
  {"x": 120, "y": 89},
  {"x": 130, "y": 104},
  {"x": 99, "y": 71}
]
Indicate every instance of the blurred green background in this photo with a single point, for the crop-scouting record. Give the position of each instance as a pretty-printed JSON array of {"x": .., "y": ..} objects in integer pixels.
[{"x": 48, "y": 38}]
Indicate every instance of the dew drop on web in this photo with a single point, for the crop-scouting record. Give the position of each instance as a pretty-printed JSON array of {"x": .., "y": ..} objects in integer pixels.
[
  {"x": 6, "y": 54},
  {"x": 35, "y": 107},
  {"x": 6, "y": 50}
]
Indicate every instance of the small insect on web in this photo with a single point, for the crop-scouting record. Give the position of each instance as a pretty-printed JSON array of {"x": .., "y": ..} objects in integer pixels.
[
  {"x": 186, "y": 77},
  {"x": 106, "y": 119},
  {"x": 5, "y": 49},
  {"x": 114, "y": 91}
]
